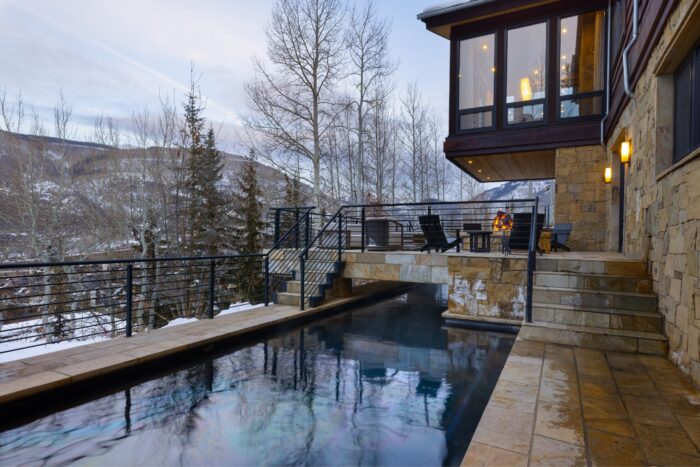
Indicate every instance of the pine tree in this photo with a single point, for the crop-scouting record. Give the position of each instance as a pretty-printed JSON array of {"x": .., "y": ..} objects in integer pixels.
[
  {"x": 192, "y": 135},
  {"x": 207, "y": 205},
  {"x": 248, "y": 213}
]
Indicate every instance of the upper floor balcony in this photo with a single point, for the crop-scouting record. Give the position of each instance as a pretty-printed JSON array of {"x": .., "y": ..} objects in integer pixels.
[{"x": 525, "y": 78}]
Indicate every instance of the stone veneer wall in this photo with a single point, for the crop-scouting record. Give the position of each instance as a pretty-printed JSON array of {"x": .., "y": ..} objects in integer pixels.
[
  {"x": 581, "y": 196},
  {"x": 479, "y": 286},
  {"x": 662, "y": 203},
  {"x": 488, "y": 287}
]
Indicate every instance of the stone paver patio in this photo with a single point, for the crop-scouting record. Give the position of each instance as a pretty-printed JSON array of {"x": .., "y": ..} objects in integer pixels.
[{"x": 560, "y": 405}]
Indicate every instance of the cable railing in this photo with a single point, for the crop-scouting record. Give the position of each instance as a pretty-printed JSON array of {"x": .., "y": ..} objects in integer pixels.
[{"x": 52, "y": 302}]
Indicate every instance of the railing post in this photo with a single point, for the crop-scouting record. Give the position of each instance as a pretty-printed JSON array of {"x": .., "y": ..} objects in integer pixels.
[
  {"x": 362, "y": 231},
  {"x": 129, "y": 283},
  {"x": 306, "y": 230},
  {"x": 267, "y": 280},
  {"x": 296, "y": 229},
  {"x": 340, "y": 236},
  {"x": 531, "y": 262},
  {"x": 212, "y": 291},
  {"x": 301, "y": 279},
  {"x": 277, "y": 226}
]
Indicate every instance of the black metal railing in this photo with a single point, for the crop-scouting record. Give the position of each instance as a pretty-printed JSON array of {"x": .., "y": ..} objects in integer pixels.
[
  {"x": 52, "y": 302},
  {"x": 282, "y": 259},
  {"x": 321, "y": 259},
  {"x": 44, "y": 303},
  {"x": 396, "y": 227}
]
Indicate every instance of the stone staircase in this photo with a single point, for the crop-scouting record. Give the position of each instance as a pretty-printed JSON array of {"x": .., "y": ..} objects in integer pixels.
[
  {"x": 597, "y": 303},
  {"x": 322, "y": 280}
]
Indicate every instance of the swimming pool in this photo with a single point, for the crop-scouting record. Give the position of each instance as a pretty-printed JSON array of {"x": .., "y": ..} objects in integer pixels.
[{"x": 384, "y": 384}]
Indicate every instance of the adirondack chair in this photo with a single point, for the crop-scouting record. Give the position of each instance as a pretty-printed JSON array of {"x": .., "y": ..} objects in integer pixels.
[
  {"x": 560, "y": 235},
  {"x": 520, "y": 235},
  {"x": 435, "y": 237}
]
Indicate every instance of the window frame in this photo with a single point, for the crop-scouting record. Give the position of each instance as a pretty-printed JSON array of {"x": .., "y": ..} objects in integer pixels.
[
  {"x": 475, "y": 110},
  {"x": 552, "y": 100},
  {"x": 581, "y": 95},
  {"x": 693, "y": 61},
  {"x": 547, "y": 87}
]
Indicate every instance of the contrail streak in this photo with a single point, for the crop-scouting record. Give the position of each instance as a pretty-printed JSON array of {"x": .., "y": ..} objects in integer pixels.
[{"x": 127, "y": 59}]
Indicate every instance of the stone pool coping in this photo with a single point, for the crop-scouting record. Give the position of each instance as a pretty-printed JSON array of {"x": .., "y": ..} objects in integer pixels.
[
  {"x": 559, "y": 405},
  {"x": 20, "y": 379}
]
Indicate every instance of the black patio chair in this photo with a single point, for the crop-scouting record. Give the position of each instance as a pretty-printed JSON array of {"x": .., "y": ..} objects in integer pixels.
[
  {"x": 520, "y": 235},
  {"x": 435, "y": 235},
  {"x": 560, "y": 235}
]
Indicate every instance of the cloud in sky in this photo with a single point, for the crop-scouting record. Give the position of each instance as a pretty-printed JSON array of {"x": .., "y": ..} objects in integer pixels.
[{"x": 115, "y": 57}]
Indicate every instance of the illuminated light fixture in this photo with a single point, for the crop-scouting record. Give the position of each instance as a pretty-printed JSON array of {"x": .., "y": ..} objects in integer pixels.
[
  {"x": 488, "y": 178},
  {"x": 563, "y": 57},
  {"x": 485, "y": 47},
  {"x": 470, "y": 162},
  {"x": 563, "y": 67},
  {"x": 460, "y": 76},
  {"x": 479, "y": 170},
  {"x": 625, "y": 152},
  {"x": 537, "y": 72},
  {"x": 525, "y": 89},
  {"x": 493, "y": 69},
  {"x": 607, "y": 176},
  {"x": 564, "y": 30}
]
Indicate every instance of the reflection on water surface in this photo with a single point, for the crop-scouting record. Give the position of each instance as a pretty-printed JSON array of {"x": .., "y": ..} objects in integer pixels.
[{"x": 382, "y": 385}]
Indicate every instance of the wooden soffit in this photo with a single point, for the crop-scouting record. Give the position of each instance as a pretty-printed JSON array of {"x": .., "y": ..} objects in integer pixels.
[{"x": 512, "y": 166}]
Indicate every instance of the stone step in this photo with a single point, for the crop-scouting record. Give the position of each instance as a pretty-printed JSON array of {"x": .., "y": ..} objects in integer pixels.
[
  {"x": 616, "y": 267},
  {"x": 615, "y": 283},
  {"x": 294, "y": 286},
  {"x": 594, "y": 298},
  {"x": 595, "y": 338},
  {"x": 287, "y": 298},
  {"x": 608, "y": 318}
]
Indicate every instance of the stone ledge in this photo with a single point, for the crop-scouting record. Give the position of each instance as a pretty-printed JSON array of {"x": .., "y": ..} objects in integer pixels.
[{"x": 31, "y": 376}]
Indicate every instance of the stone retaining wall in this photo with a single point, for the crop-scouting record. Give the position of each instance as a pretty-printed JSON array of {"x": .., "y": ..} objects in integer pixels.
[
  {"x": 493, "y": 288},
  {"x": 662, "y": 201},
  {"x": 483, "y": 287}
]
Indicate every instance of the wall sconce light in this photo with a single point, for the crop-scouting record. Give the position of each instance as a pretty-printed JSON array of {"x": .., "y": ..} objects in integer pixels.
[
  {"x": 625, "y": 152},
  {"x": 607, "y": 176}
]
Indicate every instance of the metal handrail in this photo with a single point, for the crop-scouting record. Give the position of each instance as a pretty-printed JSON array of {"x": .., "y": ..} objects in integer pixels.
[{"x": 531, "y": 261}]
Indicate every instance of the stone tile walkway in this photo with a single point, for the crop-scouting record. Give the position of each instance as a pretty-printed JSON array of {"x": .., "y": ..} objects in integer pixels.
[
  {"x": 26, "y": 377},
  {"x": 560, "y": 405}
]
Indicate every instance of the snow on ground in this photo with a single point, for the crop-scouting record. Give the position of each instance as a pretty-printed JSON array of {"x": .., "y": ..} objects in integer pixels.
[{"x": 26, "y": 333}]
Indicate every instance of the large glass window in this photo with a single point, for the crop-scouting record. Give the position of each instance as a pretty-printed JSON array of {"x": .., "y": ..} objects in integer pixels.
[
  {"x": 476, "y": 78},
  {"x": 526, "y": 73},
  {"x": 686, "y": 132},
  {"x": 582, "y": 64}
]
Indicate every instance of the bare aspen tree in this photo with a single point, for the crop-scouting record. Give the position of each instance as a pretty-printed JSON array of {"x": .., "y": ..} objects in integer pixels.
[
  {"x": 413, "y": 129},
  {"x": 292, "y": 101},
  {"x": 366, "y": 41},
  {"x": 62, "y": 116},
  {"x": 12, "y": 113}
]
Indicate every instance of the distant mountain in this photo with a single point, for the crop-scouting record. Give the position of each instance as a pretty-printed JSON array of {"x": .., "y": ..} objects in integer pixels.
[{"x": 519, "y": 190}]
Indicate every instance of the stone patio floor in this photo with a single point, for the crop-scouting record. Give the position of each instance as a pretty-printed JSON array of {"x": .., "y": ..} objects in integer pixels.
[{"x": 560, "y": 405}]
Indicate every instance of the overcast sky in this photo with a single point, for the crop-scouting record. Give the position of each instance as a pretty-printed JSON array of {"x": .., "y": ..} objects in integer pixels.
[{"x": 112, "y": 57}]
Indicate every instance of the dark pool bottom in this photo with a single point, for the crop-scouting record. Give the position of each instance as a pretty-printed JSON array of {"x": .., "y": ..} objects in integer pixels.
[{"x": 385, "y": 384}]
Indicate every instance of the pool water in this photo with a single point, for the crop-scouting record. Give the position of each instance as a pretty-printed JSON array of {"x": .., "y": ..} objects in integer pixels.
[{"x": 385, "y": 384}]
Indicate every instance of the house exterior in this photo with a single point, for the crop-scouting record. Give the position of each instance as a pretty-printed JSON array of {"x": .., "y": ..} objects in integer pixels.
[{"x": 604, "y": 98}]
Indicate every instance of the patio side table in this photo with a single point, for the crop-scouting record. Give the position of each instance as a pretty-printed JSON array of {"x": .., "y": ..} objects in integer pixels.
[{"x": 480, "y": 241}]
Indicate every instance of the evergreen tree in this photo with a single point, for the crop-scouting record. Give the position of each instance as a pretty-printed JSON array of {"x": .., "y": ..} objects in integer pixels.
[
  {"x": 206, "y": 204},
  {"x": 249, "y": 231}
]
